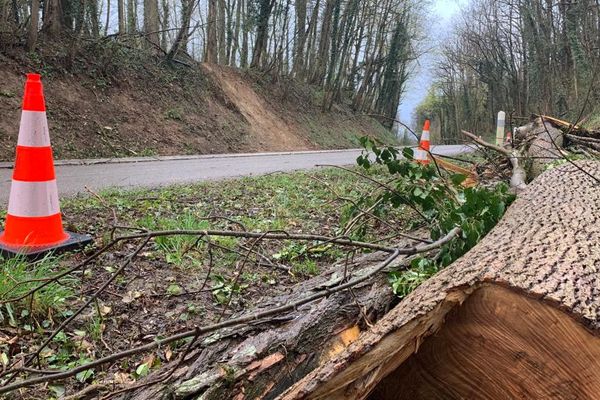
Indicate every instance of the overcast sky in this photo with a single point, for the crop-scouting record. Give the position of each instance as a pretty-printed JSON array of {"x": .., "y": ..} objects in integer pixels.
[{"x": 440, "y": 22}]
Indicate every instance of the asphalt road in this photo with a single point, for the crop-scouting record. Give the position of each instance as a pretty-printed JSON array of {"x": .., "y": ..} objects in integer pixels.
[{"x": 74, "y": 175}]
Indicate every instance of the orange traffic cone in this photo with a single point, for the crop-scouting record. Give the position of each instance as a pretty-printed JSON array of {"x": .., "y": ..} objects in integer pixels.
[
  {"x": 421, "y": 153},
  {"x": 33, "y": 222}
]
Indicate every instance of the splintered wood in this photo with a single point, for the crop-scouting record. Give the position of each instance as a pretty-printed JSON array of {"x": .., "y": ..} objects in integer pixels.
[{"x": 471, "y": 176}]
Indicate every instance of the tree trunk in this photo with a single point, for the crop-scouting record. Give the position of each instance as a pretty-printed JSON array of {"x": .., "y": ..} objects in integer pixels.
[
  {"x": 181, "y": 41},
  {"x": 521, "y": 306},
  {"x": 324, "y": 40},
  {"x": 311, "y": 47},
  {"x": 76, "y": 16},
  {"x": 542, "y": 144},
  {"x": 53, "y": 18},
  {"x": 107, "y": 17},
  {"x": 262, "y": 29},
  {"x": 151, "y": 25},
  {"x": 236, "y": 33},
  {"x": 164, "y": 24},
  {"x": 245, "y": 50},
  {"x": 347, "y": 33},
  {"x": 131, "y": 16},
  {"x": 221, "y": 26},
  {"x": 211, "y": 34},
  {"x": 121, "y": 16},
  {"x": 93, "y": 17},
  {"x": 4, "y": 13},
  {"x": 299, "y": 37},
  {"x": 33, "y": 25},
  {"x": 231, "y": 6}
]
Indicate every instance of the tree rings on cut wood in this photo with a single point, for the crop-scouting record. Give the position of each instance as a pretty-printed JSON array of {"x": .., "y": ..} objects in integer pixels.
[{"x": 516, "y": 317}]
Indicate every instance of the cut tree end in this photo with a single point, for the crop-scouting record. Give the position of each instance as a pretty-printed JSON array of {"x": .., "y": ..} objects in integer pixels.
[{"x": 499, "y": 344}]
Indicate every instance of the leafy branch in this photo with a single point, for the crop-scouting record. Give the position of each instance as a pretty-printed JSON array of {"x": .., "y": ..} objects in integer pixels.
[{"x": 442, "y": 200}]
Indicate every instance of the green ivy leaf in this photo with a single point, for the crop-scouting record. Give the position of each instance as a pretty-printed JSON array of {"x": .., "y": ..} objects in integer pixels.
[
  {"x": 84, "y": 376},
  {"x": 142, "y": 370},
  {"x": 408, "y": 153},
  {"x": 457, "y": 179}
]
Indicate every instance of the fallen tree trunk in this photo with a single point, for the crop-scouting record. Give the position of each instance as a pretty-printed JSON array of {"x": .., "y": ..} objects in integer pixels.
[
  {"x": 262, "y": 361},
  {"x": 516, "y": 317},
  {"x": 541, "y": 142},
  {"x": 569, "y": 128}
]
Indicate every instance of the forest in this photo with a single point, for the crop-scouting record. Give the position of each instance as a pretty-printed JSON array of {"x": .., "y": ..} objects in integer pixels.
[
  {"x": 519, "y": 56},
  {"x": 358, "y": 52}
]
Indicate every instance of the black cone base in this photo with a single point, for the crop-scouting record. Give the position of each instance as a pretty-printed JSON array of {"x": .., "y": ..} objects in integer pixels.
[{"x": 75, "y": 241}]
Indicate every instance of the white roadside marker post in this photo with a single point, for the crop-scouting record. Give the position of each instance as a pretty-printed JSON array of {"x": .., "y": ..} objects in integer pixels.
[{"x": 500, "y": 128}]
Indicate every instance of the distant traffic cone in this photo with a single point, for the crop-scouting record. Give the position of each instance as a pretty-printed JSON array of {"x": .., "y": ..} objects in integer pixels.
[
  {"x": 422, "y": 153},
  {"x": 33, "y": 223}
]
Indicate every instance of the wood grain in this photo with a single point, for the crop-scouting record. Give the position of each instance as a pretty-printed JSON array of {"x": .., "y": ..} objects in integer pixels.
[{"x": 500, "y": 345}]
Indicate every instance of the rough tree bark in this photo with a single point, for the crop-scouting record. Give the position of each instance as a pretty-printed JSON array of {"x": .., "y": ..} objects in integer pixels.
[
  {"x": 151, "y": 25},
  {"x": 522, "y": 306},
  {"x": 53, "y": 18},
  {"x": 543, "y": 143}
]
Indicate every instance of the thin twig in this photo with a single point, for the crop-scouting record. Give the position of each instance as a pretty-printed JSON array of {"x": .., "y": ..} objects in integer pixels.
[
  {"x": 273, "y": 235},
  {"x": 239, "y": 274},
  {"x": 382, "y": 185},
  {"x": 201, "y": 233},
  {"x": 88, "y": 302}
]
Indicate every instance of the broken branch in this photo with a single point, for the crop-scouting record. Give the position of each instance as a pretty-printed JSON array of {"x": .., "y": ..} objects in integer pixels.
[{"x": 248, "y": 318}]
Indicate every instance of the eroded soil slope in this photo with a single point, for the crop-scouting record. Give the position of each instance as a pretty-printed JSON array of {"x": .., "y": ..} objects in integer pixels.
[{"x": 104, "y": 103}]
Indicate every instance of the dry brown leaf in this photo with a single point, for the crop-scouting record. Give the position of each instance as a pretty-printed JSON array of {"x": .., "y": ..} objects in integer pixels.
[{"x": 123, "y": 378}]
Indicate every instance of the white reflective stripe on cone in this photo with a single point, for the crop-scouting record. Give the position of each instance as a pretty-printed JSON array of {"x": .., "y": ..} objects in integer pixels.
[
  {"x": 425, "y": 136},
  {"x": 34, "y": 129},
  {"x": 420, "y": 154},
  {"x": 33, "y": 199}
]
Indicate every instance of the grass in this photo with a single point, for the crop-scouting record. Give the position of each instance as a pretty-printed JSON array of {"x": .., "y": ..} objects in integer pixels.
[
  {"x": 16, "y": 280},
  {"x": 175, "y": 248},
  {"x": 298, "y": 201},
  {"x": 295, "y": 202}
]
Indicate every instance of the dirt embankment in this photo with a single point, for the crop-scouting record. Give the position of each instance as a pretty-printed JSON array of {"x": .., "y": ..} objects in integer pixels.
[{"x": 110, "y": 104}]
